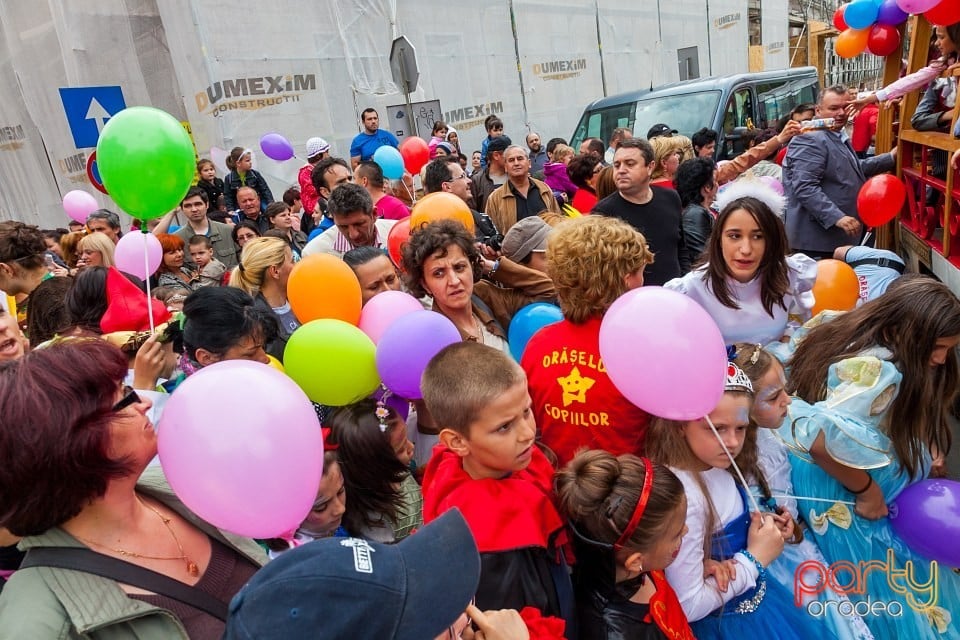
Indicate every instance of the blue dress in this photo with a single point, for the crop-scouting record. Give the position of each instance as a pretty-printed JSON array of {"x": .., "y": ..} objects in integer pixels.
[
  {"x": 859, "y": 390},
  {"x": 766, "y": 611}
]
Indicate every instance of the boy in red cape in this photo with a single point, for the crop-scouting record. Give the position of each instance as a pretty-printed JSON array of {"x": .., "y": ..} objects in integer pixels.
[{"x": 488, "y": 466}]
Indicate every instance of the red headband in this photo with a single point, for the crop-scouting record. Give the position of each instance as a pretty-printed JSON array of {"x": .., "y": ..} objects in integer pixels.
[
  {"x": 327, "y": 445},
  {"x": 640, "y": 508}
]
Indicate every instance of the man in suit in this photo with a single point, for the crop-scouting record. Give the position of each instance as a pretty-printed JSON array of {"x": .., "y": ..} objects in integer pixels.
[{"x": 822, "y": 177}]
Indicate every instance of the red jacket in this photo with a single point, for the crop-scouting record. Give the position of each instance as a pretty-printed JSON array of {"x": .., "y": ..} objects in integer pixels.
[
  {"x": 308, "y": 195},
  {"x": 865, "y": 127}
]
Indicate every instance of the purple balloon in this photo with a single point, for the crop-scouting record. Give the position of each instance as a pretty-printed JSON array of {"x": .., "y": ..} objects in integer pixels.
[
  {"x": 664, "y": 353},
  {"x": 891, "y": 14},
  {"x": 276, "y": 147},
  {"x": 128, "y": 255},
  {"x": 407, "y": 346},
  {"x": 926, "y": 515}
]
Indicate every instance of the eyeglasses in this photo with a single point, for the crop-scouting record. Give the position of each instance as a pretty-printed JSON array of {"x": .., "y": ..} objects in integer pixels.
[{"x": 130, "y": 397}]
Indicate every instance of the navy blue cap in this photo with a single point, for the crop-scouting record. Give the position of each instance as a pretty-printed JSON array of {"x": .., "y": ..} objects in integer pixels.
[{"x": 352, "y": 588}]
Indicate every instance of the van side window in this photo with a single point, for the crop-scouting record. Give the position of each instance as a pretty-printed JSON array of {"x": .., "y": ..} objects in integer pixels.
[
  {"x": 738, "y": 113},
  {"x": 778, "y": 98}
]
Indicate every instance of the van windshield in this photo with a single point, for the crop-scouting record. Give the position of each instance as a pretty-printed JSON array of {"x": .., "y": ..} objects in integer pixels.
[{"x": 687, "y": 113}]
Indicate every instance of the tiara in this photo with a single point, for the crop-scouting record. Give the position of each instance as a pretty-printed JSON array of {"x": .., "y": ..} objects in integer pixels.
[
  {"x": 737, "y": 380},
  {"x": 382, "y": 411}
]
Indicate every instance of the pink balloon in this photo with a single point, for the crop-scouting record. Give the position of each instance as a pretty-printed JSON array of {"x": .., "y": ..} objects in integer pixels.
[
  {"x": 664, "y": 353},
  {"x": 917, "y": 6},
  {"x": 79, "y": 204},
  {"x": 129, "y": 252},
  {"x": 251, "y": 466},
  {"x": 773, "y": 183},
  {"x": 383, "y": 309}
]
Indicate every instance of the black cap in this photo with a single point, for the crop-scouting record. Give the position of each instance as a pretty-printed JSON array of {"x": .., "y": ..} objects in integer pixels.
[
  {"x": 660, "y": 130},
  {"x": 498, "y": 144}
]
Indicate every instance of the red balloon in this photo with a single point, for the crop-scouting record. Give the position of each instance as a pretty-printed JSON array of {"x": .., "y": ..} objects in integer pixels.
[
  {"x": 880, "y": 199},
  {"x": 838, "y": 20},
  {"x": 415, "y": 153},
  {"x": 398, "y": 236},
  {"x": 883, "y": 40},
  {"x": 780, "y": 156},
  {"x": 945, "y": 13}
]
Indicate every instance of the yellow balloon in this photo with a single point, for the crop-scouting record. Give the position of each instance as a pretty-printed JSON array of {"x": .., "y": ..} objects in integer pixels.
[{"x": 276, "y": 364}]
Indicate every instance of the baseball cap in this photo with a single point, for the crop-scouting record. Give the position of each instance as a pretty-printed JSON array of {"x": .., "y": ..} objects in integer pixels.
[
  {"x": 660, "y": 130},
  {"x": 498, "y": 144},
  {"x": 317, "y": 146},
  {"x": 527, "y": 235},
  {"x": 352, "y": 588}
]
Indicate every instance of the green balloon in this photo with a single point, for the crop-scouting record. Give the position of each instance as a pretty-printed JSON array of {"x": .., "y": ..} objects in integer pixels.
[
  {"x": 332, "y": 361},
  {"x": 146, "y": 161}
]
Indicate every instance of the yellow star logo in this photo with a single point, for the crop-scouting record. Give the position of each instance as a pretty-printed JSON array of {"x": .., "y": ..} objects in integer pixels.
[{"x": 575, "y": 387}]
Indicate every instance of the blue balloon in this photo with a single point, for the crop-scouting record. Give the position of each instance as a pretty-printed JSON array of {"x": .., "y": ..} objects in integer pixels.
[
  {"x": 527, "y": 321},
  {"x": 891, "y": 14},
  {"x": 860, "y": 14},
  {"x": 390, "y": 161}
]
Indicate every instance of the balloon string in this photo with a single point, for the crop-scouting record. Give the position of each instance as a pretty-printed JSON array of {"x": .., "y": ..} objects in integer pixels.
[
  {"x": 736, "y": 468},
  {"x": 866, "y": 238},
  {"x": 413, "y": 196},
  {"x": 146, "y": 271},
  {"x": 811, "y": 499}
]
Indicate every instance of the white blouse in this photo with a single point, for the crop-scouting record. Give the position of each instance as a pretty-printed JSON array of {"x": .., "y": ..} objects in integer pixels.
[
  {"x": 699, "y": 596},
  {"x": 751, "y": 323}
]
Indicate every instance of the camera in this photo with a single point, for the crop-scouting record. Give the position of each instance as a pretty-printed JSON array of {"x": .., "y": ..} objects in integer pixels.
[{"x": 487, "y": 232}]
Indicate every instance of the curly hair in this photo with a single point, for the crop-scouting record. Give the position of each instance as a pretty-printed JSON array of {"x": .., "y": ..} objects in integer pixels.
[
  {"x": 692, "y": 176},
  {"x": 588, "y": 259},
  {"x": 435, "y": 239},
  {"x": 21, "y": 245},
  {"x": 581, "y": 170}
]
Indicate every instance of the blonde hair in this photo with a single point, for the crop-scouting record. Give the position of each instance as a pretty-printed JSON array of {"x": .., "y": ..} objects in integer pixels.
[
  {"x": 561, "y": 150},
  {"x": 98, "y": 241},
  {"x": 259, "y": 254},
  {"x": 588, "y": 258},
  {"x": 663, "y": 147}
]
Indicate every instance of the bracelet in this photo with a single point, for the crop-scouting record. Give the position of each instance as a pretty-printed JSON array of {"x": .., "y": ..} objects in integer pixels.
[
  {"x": 761, "y": 570},
  {"x": 496, "y": 265},
  {"x": 868, "y": 485},
  {"x": 749, "y": 605}
]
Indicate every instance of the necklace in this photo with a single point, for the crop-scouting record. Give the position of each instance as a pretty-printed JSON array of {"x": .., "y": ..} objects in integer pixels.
[
  {"x": 479, "y": 336},
  {"x": 192, "y": 567}
]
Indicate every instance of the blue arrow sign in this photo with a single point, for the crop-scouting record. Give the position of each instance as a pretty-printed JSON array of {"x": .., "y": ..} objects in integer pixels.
[{"x": 88, "y": 109}]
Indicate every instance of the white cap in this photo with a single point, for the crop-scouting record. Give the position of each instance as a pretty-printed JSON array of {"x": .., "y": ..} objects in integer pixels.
[{"x": 316, "y": 146}]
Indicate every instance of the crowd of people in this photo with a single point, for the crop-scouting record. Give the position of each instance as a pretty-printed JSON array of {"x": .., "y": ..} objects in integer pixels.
[{"x": 516, "y": 499}]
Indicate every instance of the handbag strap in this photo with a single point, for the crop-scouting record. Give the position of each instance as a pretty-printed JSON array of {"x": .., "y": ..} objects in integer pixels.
[{"x": 88, "y": 561}]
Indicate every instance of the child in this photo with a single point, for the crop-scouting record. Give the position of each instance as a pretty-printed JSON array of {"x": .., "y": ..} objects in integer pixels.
[
  {"x": 327, "y": 511},
  {"x": 171, "y": 297},
  {"x": 386, "y": 504},
  {"x": 494, "y": 127},
  {"x": 488, "y": 466},
  {"x": 213, "y": 187},
  {"x": 242, "y": 174},
  {"x": 439, "y": 134},
  {"x": 720, "y": 574},
  {"x": 629, "y": 517},
  {"x": 209, "y": 270},
  {"x": 766, "y": 465}
]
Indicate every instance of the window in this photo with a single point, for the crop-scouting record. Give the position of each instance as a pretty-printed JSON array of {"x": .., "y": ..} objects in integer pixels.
[
  {"x": 738, "y": 115},
  {"x": 689, "y": 61},
  {"x": 601, "y": 123}
]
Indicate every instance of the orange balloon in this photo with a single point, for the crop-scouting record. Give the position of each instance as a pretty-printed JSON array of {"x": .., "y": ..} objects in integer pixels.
[
  {"x": 836, "y": 288},
  {"x": 324, "y": 286},
  {"x": 440, "y": 206},
  {"x": 851, "y": 42}
]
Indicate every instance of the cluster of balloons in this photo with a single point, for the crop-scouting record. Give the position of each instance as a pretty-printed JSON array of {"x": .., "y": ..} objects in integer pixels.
[
  {"x": 941, "y": 12},
  {"x": 880, "y": 199},
  {"x": 410, "y": 157},
  {"x": 869, "y": 25}
]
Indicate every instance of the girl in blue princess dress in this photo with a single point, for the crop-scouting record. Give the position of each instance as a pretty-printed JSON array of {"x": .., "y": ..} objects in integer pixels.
[
  {"x": 765, "y": 463},
  {"x": 874, "y": 389},
  {"x": 720, "y": 574}
]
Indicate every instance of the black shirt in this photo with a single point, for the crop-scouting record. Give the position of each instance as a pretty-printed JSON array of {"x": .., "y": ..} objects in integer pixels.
[
  {"x": 532, "y": 205},
  {"x": 659, "y": 222}
]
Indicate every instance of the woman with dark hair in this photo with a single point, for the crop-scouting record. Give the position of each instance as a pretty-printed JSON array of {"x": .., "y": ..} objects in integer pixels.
[
  {"x": 748, "y": 284},
  {"x": 441, "y": 260},
  {"x": 75, "y": 480},
  {"x": 243, "y": 232},
  {"x": 374, "y": 270},
  {"x": 224, "y": 323},
  {"x": 86, "y": 302},
  {"x": 873, "y": 390},
  {"x": 172, "y": 272},
  {"x": 22, "y": 265},
  {"x": 281, "y": 224},
  {"x": 49, "y": 303},
  {"x": 697, "y": 187},
  {"x": 584, "y": 171},
  {"x": 385, "y": 502}
]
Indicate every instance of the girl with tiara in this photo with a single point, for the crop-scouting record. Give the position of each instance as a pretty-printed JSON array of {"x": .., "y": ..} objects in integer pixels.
[
  {"x": 873, "y": 389},
  {"x": 748, "y": 284},
  {"x": 629, "y": 518},
  {"x": 720, "y": 573},
  {"x": 766, "y": 466}
]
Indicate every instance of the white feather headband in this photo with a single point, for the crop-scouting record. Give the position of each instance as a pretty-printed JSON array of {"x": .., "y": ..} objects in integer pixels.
[{"x": 752, "y": 188}]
